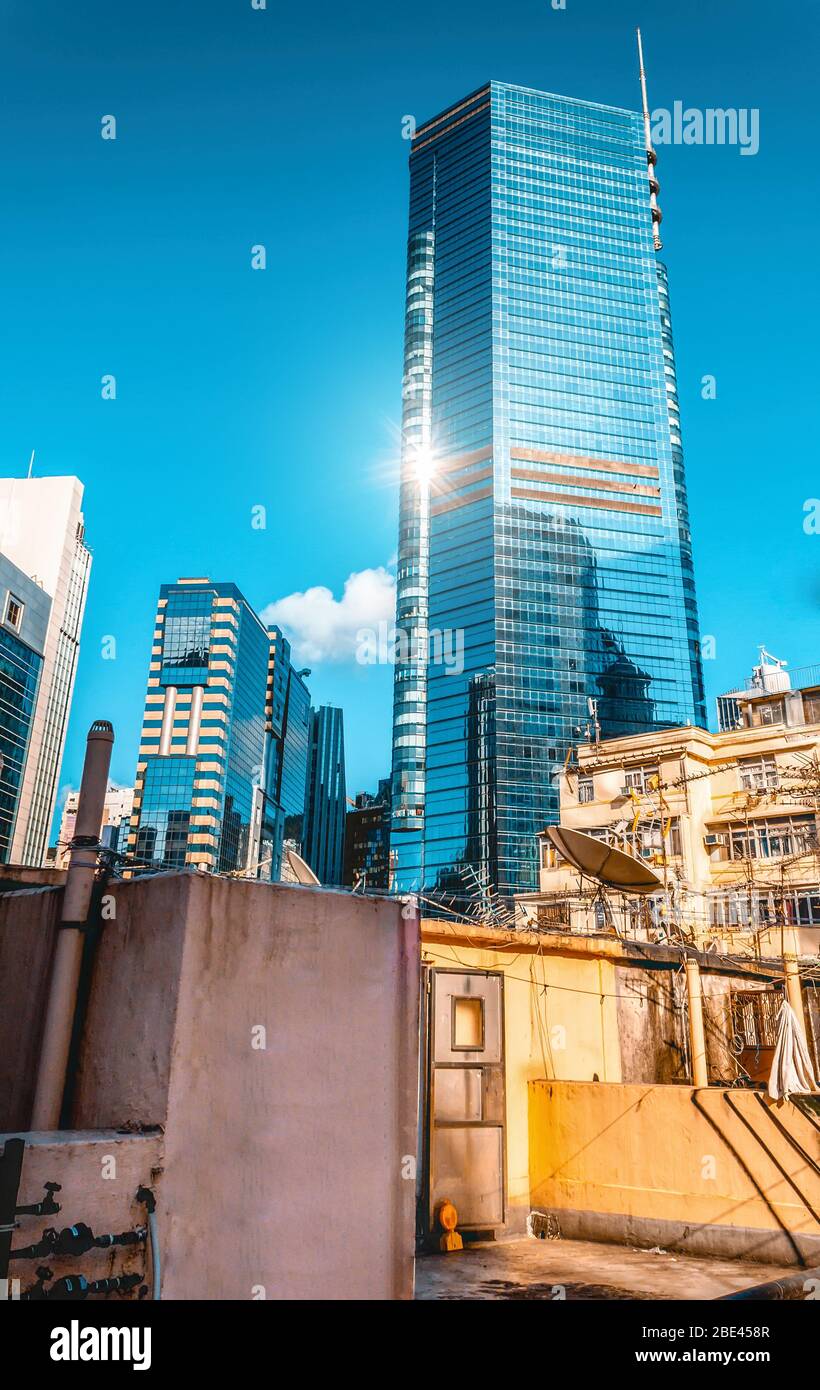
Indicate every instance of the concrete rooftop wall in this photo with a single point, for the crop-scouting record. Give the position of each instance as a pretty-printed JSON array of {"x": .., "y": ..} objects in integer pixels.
[
  {"x": 709, "y": 1171},
  {"x": 28, "y": 930},
  {"x": 272, "y": 1032}
]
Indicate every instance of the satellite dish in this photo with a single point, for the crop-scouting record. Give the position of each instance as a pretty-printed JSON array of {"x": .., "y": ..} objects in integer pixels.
[
  {"x": 597, "y": 859},
  {"x": 301, "y": 871}
]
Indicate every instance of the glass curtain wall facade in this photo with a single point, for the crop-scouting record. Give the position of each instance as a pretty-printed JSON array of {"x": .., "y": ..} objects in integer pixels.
[
  {"x": 289, "y": 723},
  {"x": 210, "y": 773},
  {"x": 545, "y": 534},
  {"x": 325, "y": 801}
]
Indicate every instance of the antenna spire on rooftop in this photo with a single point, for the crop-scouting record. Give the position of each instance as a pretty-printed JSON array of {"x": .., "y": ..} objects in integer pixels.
[{"x": 651, "y": 157}]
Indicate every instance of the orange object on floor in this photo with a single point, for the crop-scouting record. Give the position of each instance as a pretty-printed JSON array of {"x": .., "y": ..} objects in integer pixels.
[{"x": 447, "y": 1217}]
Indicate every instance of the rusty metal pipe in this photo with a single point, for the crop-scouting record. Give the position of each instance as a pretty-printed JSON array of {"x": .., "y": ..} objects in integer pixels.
[
  {"x": 793, "y": 1286},
  {"x": 65, "y": 974}
]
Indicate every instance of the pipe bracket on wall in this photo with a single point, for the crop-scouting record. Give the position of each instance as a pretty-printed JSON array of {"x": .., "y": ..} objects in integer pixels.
[
  {"x": 11, "y": 1166},
  {"x": 46, "y": 1207}
]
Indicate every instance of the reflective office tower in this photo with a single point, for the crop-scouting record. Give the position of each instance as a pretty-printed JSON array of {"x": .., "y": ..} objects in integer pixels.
[
  {"x": 324, "y": 833},
  {"x": 545, "y": 582},
  {"x": 288, "y": 716},
  {"x": 218, "y": 764},
  {"x": 44, "y": 582}
]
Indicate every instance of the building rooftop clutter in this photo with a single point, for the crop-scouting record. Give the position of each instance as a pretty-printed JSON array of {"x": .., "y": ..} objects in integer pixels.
[
  {"x": 728, "y": 821},
  {"x": 772, "y": 695}
]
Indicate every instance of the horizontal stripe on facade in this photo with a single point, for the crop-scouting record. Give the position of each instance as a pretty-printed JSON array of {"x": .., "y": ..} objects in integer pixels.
[
  {"x": 525, "y": 494},
  {"x": 453, "y": 111},
  {"x": 479, "y": 476},
  {"x": 480, "y": 495},
  {"x": 638, "y": 470},
  {"x": 452, "y": 126},
  {"x": 565, "y": 480}
]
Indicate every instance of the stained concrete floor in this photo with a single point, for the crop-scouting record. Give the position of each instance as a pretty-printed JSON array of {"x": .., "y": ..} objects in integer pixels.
[{"x": 540, "y": 1269}]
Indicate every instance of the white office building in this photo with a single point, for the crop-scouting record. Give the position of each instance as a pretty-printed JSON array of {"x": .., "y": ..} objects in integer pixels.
[
  {"x": 42, "y": 534},
  {"x": 116, "y": 817}
]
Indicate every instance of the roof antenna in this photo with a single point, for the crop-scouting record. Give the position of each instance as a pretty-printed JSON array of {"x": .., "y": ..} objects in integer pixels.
[
  {"x": 651, "y": 157},
  {"x": 30, "y": 464}
]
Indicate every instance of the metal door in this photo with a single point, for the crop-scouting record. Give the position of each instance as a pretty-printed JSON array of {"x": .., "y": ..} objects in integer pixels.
[{"x": 466, "y": 1097}]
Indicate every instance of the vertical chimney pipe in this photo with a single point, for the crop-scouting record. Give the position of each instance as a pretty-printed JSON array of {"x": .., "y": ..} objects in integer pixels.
[{"x": 65, "y": 974}]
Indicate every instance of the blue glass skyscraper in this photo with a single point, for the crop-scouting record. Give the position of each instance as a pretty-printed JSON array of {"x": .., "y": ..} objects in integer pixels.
[{"x": 543, "y": 534}]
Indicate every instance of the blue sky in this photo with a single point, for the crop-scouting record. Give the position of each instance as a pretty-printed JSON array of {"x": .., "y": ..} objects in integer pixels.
[{"x": 238, "y": 389}]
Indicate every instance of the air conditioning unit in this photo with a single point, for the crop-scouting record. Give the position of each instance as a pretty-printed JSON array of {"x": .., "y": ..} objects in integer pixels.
[{"x": 711, "y": 841}]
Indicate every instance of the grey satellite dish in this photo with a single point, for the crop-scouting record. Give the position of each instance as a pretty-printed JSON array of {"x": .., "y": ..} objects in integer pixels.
[
  {"x": 302, "y": 872},
  {"x": 595, "y": 858}
]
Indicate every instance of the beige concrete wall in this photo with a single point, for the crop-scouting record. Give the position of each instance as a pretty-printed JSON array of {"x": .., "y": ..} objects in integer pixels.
[
  {"x": 125, "y": 1062},
  {"x": 14, "y": 877},
  {"x": 707, "y": 1171},
  {"x": 272, "y": 1032},
  {"x": 289, "y": 1152},
  {"x": 28, "y": 928}
]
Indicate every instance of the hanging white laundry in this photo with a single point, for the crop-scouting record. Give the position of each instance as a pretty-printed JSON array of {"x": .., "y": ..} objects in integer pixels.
[{"x": 791, "y": 1072}]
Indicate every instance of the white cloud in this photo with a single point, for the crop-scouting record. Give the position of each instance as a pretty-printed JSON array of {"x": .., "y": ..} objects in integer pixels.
[{"x": 324, "y": 628}]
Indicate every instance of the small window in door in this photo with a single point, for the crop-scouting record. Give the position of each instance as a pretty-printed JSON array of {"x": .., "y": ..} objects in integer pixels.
[{"x": 468, "y": 1023}]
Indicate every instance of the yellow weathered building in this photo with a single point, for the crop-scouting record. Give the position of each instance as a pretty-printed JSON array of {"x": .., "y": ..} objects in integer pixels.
[{"x": 729, "y": 822}]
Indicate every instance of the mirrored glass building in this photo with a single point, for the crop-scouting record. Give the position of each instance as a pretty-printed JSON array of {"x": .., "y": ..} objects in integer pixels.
[
  {"x": 545, "y": 581},
  {"x": 223, "y": 754},
  {"x": 326, "y": 795}
]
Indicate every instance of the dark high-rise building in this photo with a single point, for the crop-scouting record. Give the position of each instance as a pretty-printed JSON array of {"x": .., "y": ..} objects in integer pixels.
[
  {"x": 367, "y": 840},
  {"x": 223, "y": 754},
  {"x": 544, "y": 557},
  {"x": 288, "y": 713},
  {"x": 325, "y": 799}
]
